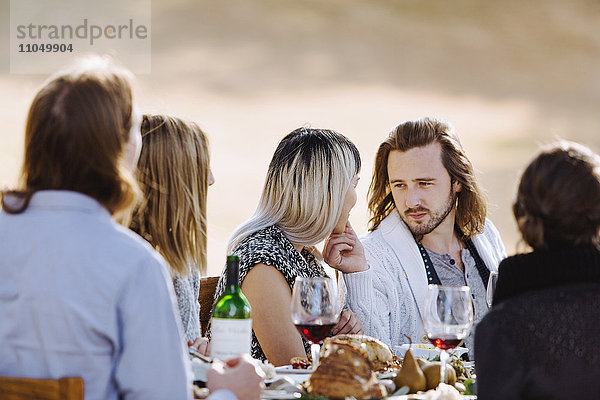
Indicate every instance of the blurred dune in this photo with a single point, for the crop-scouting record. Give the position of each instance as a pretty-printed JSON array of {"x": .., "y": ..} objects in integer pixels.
[{"x": 508, "y": 75}]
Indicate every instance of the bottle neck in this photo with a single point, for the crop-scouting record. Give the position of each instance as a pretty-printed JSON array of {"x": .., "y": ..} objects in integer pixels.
[{"x": 233, "y": 274}]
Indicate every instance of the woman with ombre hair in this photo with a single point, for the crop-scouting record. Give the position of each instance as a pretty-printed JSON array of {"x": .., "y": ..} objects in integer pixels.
[
  {"x": 308, "y": 194},
  {"x": 174, "y": 175}
]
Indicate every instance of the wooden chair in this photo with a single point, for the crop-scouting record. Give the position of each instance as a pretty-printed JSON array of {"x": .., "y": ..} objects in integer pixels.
[
  {"x": 208, "y": 286},
  {"x": 13, "y": 388}
]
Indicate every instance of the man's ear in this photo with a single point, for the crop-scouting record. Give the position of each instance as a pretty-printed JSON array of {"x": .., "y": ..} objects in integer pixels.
[{"x": 456, "y": 186}]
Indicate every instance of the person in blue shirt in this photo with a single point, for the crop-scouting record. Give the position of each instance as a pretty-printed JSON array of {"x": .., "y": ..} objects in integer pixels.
[{"x": 81, "y": 295}]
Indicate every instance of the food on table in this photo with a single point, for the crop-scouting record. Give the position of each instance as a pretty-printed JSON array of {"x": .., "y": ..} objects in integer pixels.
[
  {"x": 432, "y": 374},
  {"x": 268, "y": 369},
  {"x": 300, "y": 363},
  {"x": 422, "y": 362},
  {"x": 411, "y": 375},
  {"x": 388, "y": 384},
  {"x": 200, "y": 393},
  {"x": 443, "y": 392},
  {"x": 461, "y": 387},
  {"x": 344, "y": 371},
  {"x": 458, "y": 364},
  {"x": 378, "y": 353}
]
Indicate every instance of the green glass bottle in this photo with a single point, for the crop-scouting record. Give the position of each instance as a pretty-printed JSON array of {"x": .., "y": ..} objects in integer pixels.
[{"x": 231, "y": 324}]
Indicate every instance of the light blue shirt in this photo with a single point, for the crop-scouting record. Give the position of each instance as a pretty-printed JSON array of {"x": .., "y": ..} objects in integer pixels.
[{"x": 81, "y": 295}]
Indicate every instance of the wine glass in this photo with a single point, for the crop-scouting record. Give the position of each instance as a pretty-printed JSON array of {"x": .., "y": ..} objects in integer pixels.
[
  {"x": 315, "y": 310},
  {"x": 448, "y": 319},
  {"x": 491, "y": 288}
]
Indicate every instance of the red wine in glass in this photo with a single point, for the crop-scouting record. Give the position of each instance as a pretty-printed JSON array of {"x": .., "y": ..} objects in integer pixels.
[
  {"x": 445, "y": 342},
  {"x": 315, "y": 310},
  {"x": 447, "y": 319},
  {"x": 315, "y": 333}
]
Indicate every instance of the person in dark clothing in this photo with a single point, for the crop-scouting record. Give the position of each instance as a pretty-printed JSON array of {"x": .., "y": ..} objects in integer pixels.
[{"x": 541, "y": 340}]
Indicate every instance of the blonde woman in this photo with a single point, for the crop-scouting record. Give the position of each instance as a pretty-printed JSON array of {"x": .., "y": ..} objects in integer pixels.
[
  {"x": 174, "y": 175},
  {"x": 308, "y": 194}
]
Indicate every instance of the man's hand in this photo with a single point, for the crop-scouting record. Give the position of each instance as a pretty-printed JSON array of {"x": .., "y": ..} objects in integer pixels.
[
  {"x": 344, "y": 252},
  {"x": 240, "y": 375}
]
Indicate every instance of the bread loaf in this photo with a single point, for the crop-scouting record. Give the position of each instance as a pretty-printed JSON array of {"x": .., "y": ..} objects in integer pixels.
[
  {"x": 378, "y": 353},
  {"x": 343, "y": 372}
]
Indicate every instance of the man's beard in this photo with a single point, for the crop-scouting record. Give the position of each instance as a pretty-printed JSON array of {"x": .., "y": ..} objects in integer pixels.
[{"x": 436, "y": 217}]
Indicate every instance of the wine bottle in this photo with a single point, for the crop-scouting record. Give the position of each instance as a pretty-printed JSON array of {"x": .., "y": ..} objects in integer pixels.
[{"x": 231, "y": 324}]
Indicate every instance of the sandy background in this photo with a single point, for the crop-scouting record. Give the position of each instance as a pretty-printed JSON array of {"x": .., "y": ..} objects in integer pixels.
[{"x": 508, "y": 75}]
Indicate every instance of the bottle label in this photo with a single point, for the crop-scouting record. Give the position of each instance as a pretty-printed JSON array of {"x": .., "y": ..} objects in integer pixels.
[{"x": 230, "y": 337}]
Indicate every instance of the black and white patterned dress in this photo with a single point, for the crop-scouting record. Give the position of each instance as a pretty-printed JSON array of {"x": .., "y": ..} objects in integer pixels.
[{"x": 270, "y": 246}]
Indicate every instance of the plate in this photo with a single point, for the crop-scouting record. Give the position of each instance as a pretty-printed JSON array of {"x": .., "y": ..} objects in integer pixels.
[
  {"x": 386, "y": 375},
  {"x": 423, "y": 396},
  {"x": 288, "y": 369},
  {"x": 199, "y": 369},
  {"x": 427, "y": 351},
  {"x": 279, "y": 395}
]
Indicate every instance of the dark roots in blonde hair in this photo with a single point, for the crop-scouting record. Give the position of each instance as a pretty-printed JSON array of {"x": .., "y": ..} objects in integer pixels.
[
  {"x": 558, "y": 200},
  {"x": 471, "y": 209}
]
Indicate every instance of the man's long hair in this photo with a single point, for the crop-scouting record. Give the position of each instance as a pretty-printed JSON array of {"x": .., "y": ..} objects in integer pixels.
[
  {"x": 471, "y": 209},
  {"x": 77, "y": 128}
]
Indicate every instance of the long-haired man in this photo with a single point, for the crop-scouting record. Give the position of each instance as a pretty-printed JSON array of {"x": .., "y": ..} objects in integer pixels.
[{"x": 428, "y": 226}]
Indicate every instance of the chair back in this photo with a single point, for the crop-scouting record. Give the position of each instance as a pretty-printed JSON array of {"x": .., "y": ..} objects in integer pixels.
[
  {"x": 15, "y": 388},
  {"x": 208, "y": 286}
]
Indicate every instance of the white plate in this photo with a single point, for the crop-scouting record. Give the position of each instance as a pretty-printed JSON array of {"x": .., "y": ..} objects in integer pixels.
[
  {"x": 427, "y": 351},
  {"x": 288, "y": 369},
  {"x": 423, "y": 396},
  {"x": 387, "y": 375},
  {"x": 279, "y": 395},
  {"x": 199, "y": 369}
]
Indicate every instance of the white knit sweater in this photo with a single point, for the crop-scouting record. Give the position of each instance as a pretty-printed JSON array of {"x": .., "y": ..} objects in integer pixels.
[{"x": 389, "y": 297}]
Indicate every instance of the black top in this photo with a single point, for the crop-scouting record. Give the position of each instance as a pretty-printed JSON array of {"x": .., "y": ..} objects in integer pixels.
[
  {"x": 541, "y": 340},
  {"x": 546, "y": 269},
  {"x": 270, "y": 246}
]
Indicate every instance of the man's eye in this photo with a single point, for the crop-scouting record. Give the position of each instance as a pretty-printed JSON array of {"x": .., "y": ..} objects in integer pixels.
[
  {"x": 425, "y": 184},
  {"x": 399, "y": 185}
]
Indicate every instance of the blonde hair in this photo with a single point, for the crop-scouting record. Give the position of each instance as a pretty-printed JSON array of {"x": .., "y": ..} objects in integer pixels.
[
  {"x": 76, "y": 131},
  {"x": 471, "y": 209},
  {"x": 305, "y": 187},
  {"x": 173, "y": 171}
]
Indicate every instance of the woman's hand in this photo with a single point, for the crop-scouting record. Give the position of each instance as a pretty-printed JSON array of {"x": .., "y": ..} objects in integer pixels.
[
  {"x": 344, "y": 252},
  {"x": 200, "y": 344},
  {"x": 348, "y": 323}
]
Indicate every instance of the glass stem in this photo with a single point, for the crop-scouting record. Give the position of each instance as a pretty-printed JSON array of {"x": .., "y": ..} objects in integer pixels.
[
  {"x": 315, "y": 349},
  {"x": 443, "y": 361}
]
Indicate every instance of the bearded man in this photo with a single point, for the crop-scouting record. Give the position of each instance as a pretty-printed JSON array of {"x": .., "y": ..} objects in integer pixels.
[{"x": 428, "y": 226}]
